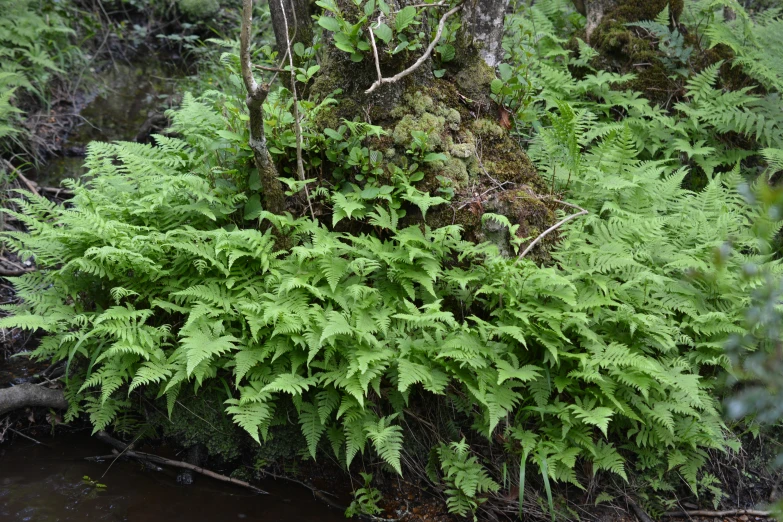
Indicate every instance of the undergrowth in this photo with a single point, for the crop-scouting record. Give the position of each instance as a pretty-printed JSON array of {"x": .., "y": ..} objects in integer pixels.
[{"x": 163, "y": 274}]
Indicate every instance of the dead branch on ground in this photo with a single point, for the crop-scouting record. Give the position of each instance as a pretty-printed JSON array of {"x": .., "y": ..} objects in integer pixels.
[{"x": 127, "y": 451}]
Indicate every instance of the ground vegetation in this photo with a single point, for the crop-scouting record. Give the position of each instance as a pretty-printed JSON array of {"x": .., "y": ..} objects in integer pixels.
[{"x": 519, "y": 272}]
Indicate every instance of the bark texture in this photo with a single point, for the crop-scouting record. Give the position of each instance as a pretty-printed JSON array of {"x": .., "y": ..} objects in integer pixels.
[
  {"x": 30, "y": 395},
  {"x": 272, "y": 191},
  {"x": 482, "y": 28},
  {"x": 300, "y": 25},
  {"x": 623, "y": 11}
]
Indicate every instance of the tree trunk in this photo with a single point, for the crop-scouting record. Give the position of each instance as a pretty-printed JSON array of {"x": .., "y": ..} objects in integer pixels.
[
  {"x": 482, "y": 28},
  {"x": 300, "y": 26},
  {"x": 485, "y": 167},
  {"x": 272, "y": 191},
  {"x": 623, "y": 11}
]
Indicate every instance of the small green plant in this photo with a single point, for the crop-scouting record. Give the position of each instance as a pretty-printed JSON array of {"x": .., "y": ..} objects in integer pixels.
[
  {"x": 365, "y": 499},
  {"x": 465, "y": 478},
  {"x": 93, "y": 483},
  {"x": 420, "y": 148}
]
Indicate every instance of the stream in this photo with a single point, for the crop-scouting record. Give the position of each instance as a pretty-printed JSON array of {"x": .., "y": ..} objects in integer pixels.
[
  {"x": 52, "y": 481},
  {"x": 48, "y": 484},
  {"x": 124, "y": 95}
]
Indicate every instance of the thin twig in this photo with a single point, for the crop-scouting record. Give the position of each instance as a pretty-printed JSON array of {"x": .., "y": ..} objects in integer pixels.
[
  {"x": 641, "y": 514},
  {"x": 554, "y": 227},
  {"x": 21, "y": 177},
  {"x": 139, "y": 455},
  {"x": 417, "y": 6},
  {"x": 26, "y": 436},
  {"x": 267, "y": 68},
  {"x": 375, "y": 51},
  {"x": 297, "y": 124},
  {"x": 15, "y": 273},
  {"x": 708, "y": 513},
  {"x": 423, "y": 58}
]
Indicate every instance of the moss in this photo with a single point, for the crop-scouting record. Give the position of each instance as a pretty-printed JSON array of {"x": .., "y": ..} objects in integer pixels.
[
  {"x": 463, "y": 150},
  {"x": 195, "y": 10},
  {"x": 454, "y": 119},
  {"x": 621, "y": 49},
  {"x": 488, "y": 129},
  {"x": 439, "y": 108},
  {"x": 433, "y": 125},
  {"x": 200, "y": 420},
  {"x": 455, "y": 170},
  {"x": 419, "y": 102},
  {"x": 474, "y": 80}
]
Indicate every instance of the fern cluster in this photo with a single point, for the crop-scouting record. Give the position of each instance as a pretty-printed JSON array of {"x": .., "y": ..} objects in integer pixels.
[
  {"x": 163, "y": 273},
  {"x": 28, "y": 40},
  {"x": 154, "y": 280}
]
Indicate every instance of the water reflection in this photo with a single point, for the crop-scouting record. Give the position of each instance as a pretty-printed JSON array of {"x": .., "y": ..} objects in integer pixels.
[{"x": 46, "y": 484}]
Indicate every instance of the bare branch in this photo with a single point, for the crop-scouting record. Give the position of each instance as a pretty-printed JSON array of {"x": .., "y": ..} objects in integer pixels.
[
  {"x": 554, "y": 227},
  {"x": 272, "y": 191},
  {"x": 375, "y": 51},
  {"x": 423, "y": 58},
  {"x": 297, "y": 125},
  {"x": 270, "y": 69},
  {"x": 129, "y": 452},
  {"x": 707, "y": 513},
  {"x": 27, "y": 394},
  {"x": 244, "y": 49}
]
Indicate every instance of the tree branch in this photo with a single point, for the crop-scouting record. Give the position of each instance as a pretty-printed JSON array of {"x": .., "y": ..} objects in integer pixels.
[
  {"x": 423, "y": 58},
  {"x": 554, "y": 227},
  {"x": 707, "y": 513},
  {"x": 272, "y": 190},
  {"x": 127, "y": 451},
  {"x": 297, "y": 125}
]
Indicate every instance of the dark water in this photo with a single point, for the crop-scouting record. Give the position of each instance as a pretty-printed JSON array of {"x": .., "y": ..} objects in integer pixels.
[
  {"x": 46, "y": 484},
  {"x": 123, "y": 96}
]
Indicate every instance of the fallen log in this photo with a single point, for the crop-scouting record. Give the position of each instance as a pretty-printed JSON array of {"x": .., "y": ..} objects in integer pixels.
[
  {"x": 128, "y": 451},
  {"x": 30, "y": 395}
]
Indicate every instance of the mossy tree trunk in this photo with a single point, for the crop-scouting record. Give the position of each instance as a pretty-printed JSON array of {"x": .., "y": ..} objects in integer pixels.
[
  {"x": 300, "y": 27},
  {"x": 487, "y": 170},
  {"x": 623, "y": 11}
]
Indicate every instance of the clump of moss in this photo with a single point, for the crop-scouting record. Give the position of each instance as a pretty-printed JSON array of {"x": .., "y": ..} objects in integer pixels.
[
  {"x": 456, "y": 170},
  {"x": 426, "y": 122},
  {"x": 622, "y": 49},
  {"x": 453, "y": 118},
  {"x": 198, "y": 9},
  {"x": 488, "y": 129}
]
